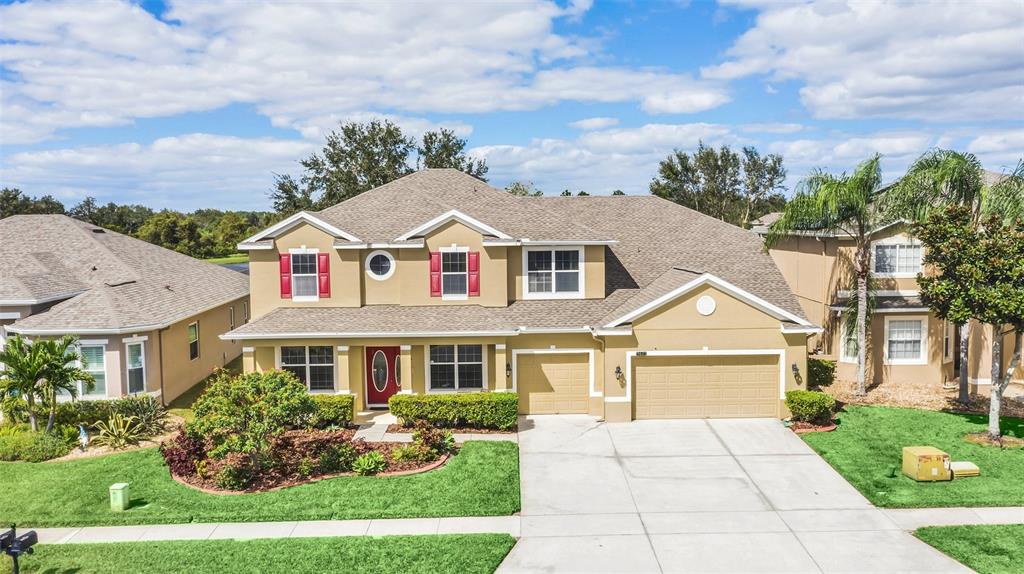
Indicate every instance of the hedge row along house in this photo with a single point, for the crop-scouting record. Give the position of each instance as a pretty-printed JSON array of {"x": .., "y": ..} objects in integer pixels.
[
  {"x": 148, "y": 319},
  {"x": 620, "y": 307}
]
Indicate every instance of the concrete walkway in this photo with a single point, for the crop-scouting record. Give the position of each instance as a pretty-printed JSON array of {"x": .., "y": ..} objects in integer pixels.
[{"x": 703, "y": 496}]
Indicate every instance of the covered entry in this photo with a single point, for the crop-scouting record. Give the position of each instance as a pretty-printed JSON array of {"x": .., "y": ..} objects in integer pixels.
[
  {"x": 679, "y": 386},
  {"x": 552, "y": 382}
]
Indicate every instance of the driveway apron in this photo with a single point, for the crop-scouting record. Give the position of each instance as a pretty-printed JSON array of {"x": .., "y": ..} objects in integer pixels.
[{"x": 730, "y": 495}]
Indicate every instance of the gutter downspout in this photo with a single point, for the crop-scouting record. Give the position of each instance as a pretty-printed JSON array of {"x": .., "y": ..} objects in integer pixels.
[{"x": 160, "y": 347}]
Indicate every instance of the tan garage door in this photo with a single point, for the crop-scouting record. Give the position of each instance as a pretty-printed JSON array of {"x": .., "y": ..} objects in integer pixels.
[
  {"x": 553, "y": 383},
  {"x": 707, "y": 387}
]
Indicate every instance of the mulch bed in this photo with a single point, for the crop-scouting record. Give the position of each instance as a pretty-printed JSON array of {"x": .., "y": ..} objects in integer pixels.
[
  {"x": 397, "y": 428},
  {"x": 984, "y": 439},
  {"x": 927, "y": 395},
  {"x": 804, "y": 428}
]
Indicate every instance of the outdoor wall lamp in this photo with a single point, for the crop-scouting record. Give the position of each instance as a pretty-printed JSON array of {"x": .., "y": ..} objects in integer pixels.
[
  {"x": 796, "y": 369},
  {"x": 508, "y": 370},
  {"x": 618, "y": 374}
]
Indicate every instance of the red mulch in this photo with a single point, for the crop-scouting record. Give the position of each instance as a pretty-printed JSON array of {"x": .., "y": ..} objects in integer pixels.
[{"x": 397, "y": 428}]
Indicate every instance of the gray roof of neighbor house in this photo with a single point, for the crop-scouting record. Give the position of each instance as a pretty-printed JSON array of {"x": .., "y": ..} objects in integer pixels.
[
  {"x": 105, "y": 281},
  {"x": 655, "y": 247},
  {"x": 883, "y": 303}
]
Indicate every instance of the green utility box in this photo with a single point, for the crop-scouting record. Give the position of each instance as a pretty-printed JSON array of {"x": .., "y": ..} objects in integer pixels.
[{"x": 119, "y": 497}]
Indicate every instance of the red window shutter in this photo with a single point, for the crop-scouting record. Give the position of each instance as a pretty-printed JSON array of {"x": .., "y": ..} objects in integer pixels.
[
  {"x": 473, "y": 264},
  {"x": 435, "y": 274},
  {"x": 286, "y": 276},
  {"x": 323, "y": 270}
]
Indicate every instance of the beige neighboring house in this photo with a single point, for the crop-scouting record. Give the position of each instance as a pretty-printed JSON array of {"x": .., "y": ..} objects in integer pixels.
[
  {"x": 620, "y": 307},
  {"x": 148, "y": 319},
  {"x": 908, "y": 343}
]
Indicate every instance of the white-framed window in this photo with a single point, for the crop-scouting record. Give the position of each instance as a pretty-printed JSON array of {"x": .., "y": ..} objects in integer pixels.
[
  {"x": 906, "y": 340},
  {"x": 897, "y": 259},
  {"x": 231, "y": 317},
  {"x": 193, "y": 339},
  {"x": 94, "y": 362},
  {"x": 848, "y": 345},
  {"x": 948, "y": 340},
  {"x": 305, "y": 285},
  {"x": 553, "y": 273},
  {"x": 313, "y": 365},
  {"x": 135, "y": 359},
  {"x": 456, "y": 368},
  {"x": 380, "y": 265},
  {"x": 454, "y": 273},
  {"x": 245, "y": 312}
]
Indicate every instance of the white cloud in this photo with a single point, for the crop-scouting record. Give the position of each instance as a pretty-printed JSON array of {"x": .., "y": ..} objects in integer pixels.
[
  {"x": 772, "y": 128},
  {"x": 594, "y": 123},
  {"x": 921, "y": 60},
  {"x": 70, "y": 65}
]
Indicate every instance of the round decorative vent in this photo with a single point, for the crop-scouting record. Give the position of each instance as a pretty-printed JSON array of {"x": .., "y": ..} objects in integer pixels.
[{"x": 706, "y": 305}]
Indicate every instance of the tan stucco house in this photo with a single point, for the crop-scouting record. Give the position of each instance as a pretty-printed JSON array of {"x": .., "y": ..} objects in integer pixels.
[
  {"x": 620, "y": 307},
  {"x": 907, "y": 342},
  {"x": 148, "y": 319}
]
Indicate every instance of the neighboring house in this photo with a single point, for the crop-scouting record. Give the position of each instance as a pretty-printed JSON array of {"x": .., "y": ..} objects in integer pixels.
[
  {"x": 621, "y": 307},
  {"x": 908, "y": 343},
  {"x": 148, "y": 318}
]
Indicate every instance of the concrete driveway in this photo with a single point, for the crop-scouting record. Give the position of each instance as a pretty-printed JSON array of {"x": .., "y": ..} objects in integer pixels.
[{"x": 696, "y": 496}]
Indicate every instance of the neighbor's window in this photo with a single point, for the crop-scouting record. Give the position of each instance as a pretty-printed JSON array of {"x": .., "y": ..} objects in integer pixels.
[
  {"x": 848, "y": 343},
  {"x": 245, "y": 311},
  {"x": 136, "y": 368},
  {"x": 555, "y": 271},
  {"x": 193, "y": 339},
  {"x": 454, "y": 276},
  {"x": 947, "y": 340},
  {"x": 898, "y": 258},
  {"x": 314, "y": 366},
  {"x": 304, "y": 281},
  {"x": 456, "y": 367},
  {"x": 905, "y": 340},
  {"x": 231, "y": 317},
  {"x": 94, "y": 362}
]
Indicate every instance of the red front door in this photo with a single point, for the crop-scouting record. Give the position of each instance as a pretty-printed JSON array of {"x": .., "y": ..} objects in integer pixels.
[{"x": 383, "y": 377}]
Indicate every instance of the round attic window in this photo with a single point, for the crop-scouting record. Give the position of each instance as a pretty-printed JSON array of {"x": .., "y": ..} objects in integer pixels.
[
  {"x": 706, "y": 305},
  {"x": 380, "y": 265}
]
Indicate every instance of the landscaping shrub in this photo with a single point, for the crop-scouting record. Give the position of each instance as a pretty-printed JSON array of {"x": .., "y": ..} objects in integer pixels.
[
  {"x": 478, "y": 410},
  {"x": 236, "y": 472},
  {"x": 810, "y": 406},
  {"x": 338, "y": 458},
  {"x": 332, "y": 410},
  {"x": 149, "y": 414},
  {"x": 413, "y": 452},
  {"x": 439, "y": 441},
  {"x": 241, "y": 415},
  {"x": 118, "y": 432},
  {"x": 183, "y": 453},
  {"x": 370, "y": 463},
  {"x": 18, "y": 444},
  {"x": 820, "y": 373}
]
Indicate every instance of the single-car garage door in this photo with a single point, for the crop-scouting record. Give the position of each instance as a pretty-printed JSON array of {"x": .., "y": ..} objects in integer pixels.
[
  {"x": 708, "y": 386},
  {"x": 553, "y": 383}
]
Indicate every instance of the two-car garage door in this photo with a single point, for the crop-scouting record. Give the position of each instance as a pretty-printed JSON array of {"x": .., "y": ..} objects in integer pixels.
[{"x": 706, "y": 386}]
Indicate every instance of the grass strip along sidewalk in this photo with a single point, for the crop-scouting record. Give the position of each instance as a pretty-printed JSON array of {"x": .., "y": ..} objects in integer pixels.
[
  {"x": 482, "y": 480},
  {"x": 463, "y": 553},
  {"x": 867, "y": 447}
]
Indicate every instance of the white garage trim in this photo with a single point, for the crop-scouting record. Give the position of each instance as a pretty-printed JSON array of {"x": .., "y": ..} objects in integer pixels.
[
  {"x": 515, "y": 364},
  {"x": 781, "y": 353}
]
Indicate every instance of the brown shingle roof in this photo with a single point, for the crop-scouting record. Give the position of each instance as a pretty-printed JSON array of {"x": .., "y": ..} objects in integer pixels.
[{"x": 122, "y": 282}]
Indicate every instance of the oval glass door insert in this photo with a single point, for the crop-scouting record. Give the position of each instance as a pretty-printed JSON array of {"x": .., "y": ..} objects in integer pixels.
[
  {"x": 398, "y": 372},
  {"x": 380, "y": 371}
]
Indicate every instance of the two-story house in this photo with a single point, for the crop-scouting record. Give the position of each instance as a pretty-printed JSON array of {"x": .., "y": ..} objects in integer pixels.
[
  {"x": 621, "y": 307},
  {"x": 147, "y": 318},
  {"x": 907, "y": 343}
]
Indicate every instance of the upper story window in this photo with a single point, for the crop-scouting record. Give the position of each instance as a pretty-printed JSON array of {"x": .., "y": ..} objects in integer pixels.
[
  {"x": 897, "y": 259},
  {"x": 553, "y": 273},
  {"x": 455, "y": 273},
  {"x": 454, "y": 282},
  {"x": 305, "y": 275}
]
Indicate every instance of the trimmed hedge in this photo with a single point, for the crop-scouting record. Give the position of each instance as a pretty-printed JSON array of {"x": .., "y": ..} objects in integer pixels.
[
  {"x": 333, "y": 410},
  {"x": 478, "y": 410},
  {"x": 28, "y": 446},
  {"x": 820, "y": 373},
  {"x": 810, "y": 406}
]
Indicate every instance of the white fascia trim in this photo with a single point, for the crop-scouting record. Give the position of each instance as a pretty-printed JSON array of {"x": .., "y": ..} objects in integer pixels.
[
  {"x": 301, "y": 217},
  {"x": 882, "y": 293},
  {"x": 556, "y": 351},
  {"x": 613, "y": 332},
  {"x": 48, "y": 299},
  {"x": 254, "y": 246},
  {"x": 723, "y": 285},
  {"x": 380, "y": 245},
  {"x": 570, "y": 242},
  {"x": 455, "y": 215},
  {"x": 10, "y": 315},
  {"x": 630, "y": 355},
  {"x": 139, "y": 339},
  {"x": 809, "y": 330},
  {"x": 550, "y": 330},
  {"x": 242, "y": 337}
]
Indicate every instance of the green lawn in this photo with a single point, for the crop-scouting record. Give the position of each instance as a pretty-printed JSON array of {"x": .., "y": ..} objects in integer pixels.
[
  {"x": 463, "y": 553},
  {"x": 482, "y": 480},
  {"x": 990, "y": 549},
  {"x": 867, "y": 450},
  {"x": 236, "y": 258}
]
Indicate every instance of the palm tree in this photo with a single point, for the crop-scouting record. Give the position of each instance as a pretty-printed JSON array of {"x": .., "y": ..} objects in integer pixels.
[
  {"x": 63, "y": 373},
  {"x": 842, "y": 205},
  {"x": 942, "y": 178},
  {"x": 22, "y": 367}
]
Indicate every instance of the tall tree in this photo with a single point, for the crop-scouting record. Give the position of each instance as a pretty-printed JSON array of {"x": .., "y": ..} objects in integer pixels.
[
  {"x": 523, "y": 189},
  {"x": 127, "y": 219},
  {"x": 442, "y": 148},
  {"x": 357, "y": 157},
  {"x": 841, "y": 204},
  {"x": 979, "y": 272},
  {"x": 175, "y": 231},
  {"x": 22, "y": 370},
  {"x": 62, "y": 374},
  {"x": 14, "y": 202},
  {"x": 721, "y": 183}
]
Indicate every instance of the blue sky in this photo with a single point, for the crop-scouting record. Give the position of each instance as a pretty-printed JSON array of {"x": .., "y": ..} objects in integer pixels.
[{"x": 198, "y": 104}]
